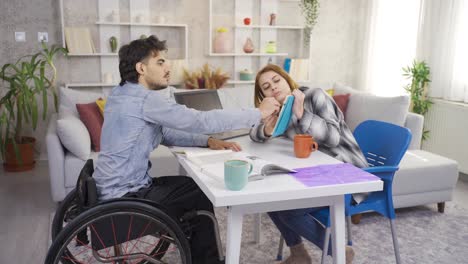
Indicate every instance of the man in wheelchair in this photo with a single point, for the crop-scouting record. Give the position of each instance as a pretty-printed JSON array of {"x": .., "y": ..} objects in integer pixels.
[{"x": 137, "y": 120}]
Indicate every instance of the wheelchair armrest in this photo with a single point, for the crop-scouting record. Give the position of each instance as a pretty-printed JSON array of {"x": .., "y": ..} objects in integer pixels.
[{"x": 380, "y": 169}]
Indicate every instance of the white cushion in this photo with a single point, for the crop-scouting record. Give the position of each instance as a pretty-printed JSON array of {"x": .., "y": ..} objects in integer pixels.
[
  {"x": 73, "y": 134},
  {"x": 344, "y": 89},
  {"x": 363, "y": 106},
  {"x": 68, "y": 98}
]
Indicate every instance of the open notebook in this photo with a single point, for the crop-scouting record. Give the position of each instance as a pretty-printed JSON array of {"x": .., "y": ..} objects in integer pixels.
[{"x": 211, "y": 162}]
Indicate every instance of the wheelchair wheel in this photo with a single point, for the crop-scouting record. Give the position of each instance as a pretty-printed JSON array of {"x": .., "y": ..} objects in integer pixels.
[
  {"x": 67, "y": 211},
  {"x": 120, "y": 232}
]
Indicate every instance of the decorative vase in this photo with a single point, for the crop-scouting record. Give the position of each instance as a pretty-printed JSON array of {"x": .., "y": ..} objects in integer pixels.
[
  {"x": 272, "y": 19},
  {"x": 248, "y": 46},
  {"x": 113, "y": 44},
  {"x": 222, "y": 42},
  {"x": 270, "y": 47},
  {"x": 246, "y": 75}
]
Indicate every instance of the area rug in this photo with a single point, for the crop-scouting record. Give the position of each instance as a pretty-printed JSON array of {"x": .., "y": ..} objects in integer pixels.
[{"x": 425, "y": 236}]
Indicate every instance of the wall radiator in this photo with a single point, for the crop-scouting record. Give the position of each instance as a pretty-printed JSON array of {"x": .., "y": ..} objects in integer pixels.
[{"x": 448, "y": 125}]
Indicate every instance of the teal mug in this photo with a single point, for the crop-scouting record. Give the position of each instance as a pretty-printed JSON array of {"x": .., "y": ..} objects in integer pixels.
[{"x": 236, "y": 174}]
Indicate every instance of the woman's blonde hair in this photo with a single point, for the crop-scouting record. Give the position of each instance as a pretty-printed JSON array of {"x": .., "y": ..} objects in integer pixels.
[{"x": 258, "y": 94}]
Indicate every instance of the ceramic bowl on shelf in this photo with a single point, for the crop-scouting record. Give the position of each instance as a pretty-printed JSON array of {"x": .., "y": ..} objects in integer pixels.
[{"x": 246, "y": 75}]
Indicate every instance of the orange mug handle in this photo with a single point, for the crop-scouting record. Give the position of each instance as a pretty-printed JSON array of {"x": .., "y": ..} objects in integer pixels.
[{"x": 313, "y": 146}]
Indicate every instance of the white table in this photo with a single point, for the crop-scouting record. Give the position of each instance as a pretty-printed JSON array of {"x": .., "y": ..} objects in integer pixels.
[{"x": 278, "y": 192}]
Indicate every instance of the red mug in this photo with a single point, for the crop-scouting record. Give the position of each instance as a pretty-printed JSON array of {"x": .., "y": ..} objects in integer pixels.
[{"x": 303, "y": 145}]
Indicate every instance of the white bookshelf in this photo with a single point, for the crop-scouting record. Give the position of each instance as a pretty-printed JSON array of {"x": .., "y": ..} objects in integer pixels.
[
  {"x": 247, "y": 54},
  {"x": 269, "y": 27},
  {"x": 107, "y": 27},
  {"x": 260, "y": 32}
]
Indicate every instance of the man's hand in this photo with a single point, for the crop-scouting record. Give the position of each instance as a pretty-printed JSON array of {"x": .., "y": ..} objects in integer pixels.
[
  {"x": 269, "y": 123},
  {"x": 268, "y": 107},
  {"x": 220, "y": 144},
  {"x": 298, "y": 106}
]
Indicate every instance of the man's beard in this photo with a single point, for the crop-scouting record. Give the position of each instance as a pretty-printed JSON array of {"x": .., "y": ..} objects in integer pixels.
[{"x": 157, "y": 86}]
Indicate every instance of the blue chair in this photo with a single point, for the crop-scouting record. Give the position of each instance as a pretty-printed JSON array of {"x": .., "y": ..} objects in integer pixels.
[{"x": 383, "y": 144}]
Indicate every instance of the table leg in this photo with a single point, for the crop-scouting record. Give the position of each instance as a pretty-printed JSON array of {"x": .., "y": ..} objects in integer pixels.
[
  {"x": 338, "y": 229},
  {"x": 257, "y": 227},
  {"x": 234, "y": 235}
]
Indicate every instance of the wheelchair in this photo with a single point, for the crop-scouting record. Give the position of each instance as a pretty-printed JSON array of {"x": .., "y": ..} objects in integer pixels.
[{"x": 121, "y": 231}]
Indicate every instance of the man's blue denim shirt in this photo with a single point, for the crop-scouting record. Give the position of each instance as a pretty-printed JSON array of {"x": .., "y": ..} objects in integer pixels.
[{"x": 137, "y": 120}]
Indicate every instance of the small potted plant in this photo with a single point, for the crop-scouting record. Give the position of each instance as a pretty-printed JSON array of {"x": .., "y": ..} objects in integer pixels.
[
  {"x": 205, "y": 78},
  {"x": 28, "y": 81},
  {"x": 418, "y": 73}
]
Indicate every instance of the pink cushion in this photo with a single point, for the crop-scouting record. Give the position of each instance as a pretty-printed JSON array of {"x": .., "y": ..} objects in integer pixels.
[
  {"x": 93, "y": 120},
  {"x": 341, "y": 101}
]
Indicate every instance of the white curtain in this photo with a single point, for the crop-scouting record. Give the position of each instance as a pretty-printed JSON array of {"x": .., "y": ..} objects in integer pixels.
[
  {"x": 444, "y": 45},
  {"x": 390, "y": 44}
]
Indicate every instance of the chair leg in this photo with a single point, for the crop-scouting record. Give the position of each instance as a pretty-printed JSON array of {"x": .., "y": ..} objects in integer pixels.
[
  {"x": 348, "y": 223},
  {"x": 326, "y": 244},
  {"x": 441, "y": 207},
  {"x": 258, "y": 225},
  {"x": 395, "y": 241},
  {"x": 279, "y": 256}
]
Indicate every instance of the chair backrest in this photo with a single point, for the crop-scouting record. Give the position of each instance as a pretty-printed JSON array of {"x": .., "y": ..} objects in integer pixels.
[
  {"x": 86, "y": 186},
  {"x": 383, "y": 144}
]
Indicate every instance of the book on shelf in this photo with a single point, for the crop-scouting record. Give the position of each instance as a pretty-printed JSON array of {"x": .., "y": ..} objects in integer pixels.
[
  {"x": 211, "y": 162},
  {"x": 298, "y": 69},
  {"x": 79, "y": 40}
]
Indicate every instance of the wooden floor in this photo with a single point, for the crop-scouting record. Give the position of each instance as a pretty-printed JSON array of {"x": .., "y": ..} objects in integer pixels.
[{"x": 26, "y": 206}]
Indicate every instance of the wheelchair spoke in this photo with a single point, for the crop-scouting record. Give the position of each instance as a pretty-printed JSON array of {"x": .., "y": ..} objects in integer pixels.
[
  {"x": 129, "y": 230},
  {"x": 102, "y": 243},
  {"x": 142, "y": 232}
]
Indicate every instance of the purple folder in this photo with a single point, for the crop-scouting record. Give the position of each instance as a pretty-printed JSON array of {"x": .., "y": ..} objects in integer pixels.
[{"x": 332, "y": 174}]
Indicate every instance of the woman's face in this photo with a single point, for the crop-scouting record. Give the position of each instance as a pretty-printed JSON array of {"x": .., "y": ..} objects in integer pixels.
[{"x": 274, "y": 85}]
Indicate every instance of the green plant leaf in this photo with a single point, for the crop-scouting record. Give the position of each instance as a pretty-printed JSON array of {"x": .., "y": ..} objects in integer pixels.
[{"x": 35, "y": 111}]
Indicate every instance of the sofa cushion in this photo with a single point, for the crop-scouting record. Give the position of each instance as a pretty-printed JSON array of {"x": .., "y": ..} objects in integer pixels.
[
  {"x": 342, "y": 101},
  {"x": 340, "y": 88},
  {"x": 101, "y": 103},
  {"x": 422, "y": 171},
  {"x": 93, "y": 120},
  {"x": 68, "y": 98},
  {"x": 73, "y": 135},
  {"x": 363, "y": 106}
]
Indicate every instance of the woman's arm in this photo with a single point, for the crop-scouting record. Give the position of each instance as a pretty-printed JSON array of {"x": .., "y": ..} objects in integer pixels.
[
  {"x": 321, "y": 118},
  {"x": 257, "y": 133}
]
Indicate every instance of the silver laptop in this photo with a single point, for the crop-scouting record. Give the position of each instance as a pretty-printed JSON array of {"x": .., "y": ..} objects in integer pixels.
[{"x": 205, "y": 100}]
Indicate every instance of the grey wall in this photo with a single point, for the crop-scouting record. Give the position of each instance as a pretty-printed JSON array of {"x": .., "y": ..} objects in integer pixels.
[{"x": 335, "y": 47}]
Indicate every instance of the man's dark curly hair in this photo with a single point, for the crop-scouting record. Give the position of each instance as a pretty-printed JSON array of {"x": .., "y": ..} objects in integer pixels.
[{"x": 138, "y": 50}]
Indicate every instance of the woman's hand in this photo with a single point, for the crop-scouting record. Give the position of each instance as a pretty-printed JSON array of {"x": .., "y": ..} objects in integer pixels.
[
  {"x": 268, "y": 107},
  {"x": 269, "y": 125},
  {"x": 298, "y": 106},
  {"x": 217, "y": 144}
]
